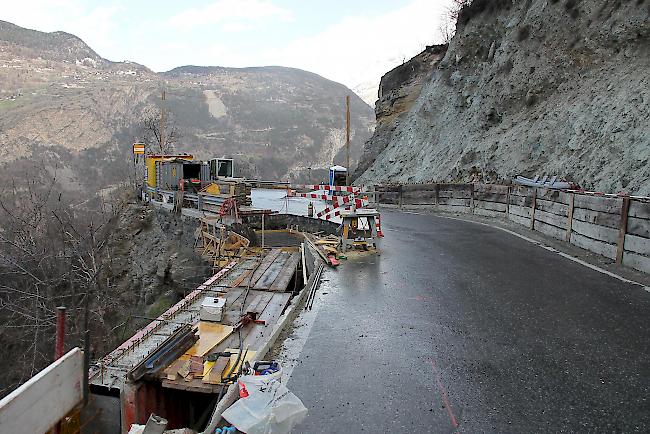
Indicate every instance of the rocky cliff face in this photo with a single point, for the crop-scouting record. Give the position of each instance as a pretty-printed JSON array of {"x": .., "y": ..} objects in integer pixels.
[
  {"x": 528, "y": 87},
  {"x": 63, "y": 104},
  {"x": 398, "y": 91}
]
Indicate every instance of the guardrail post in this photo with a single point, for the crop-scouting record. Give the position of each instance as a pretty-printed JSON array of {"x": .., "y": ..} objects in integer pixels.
[
  {"x": 436, "y": 190},
  {"x": 569, "y": 220},
  {"x": 508, "y": 203},
  {"x": 471, "y": 198},
  {"x": 399, "y": 199},
  {"x": 532, "y": 210},
  {"x": 622, "y": 229}
]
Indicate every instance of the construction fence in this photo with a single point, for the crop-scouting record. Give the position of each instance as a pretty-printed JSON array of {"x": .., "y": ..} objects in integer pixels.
[{"x": 614, "y": 226}]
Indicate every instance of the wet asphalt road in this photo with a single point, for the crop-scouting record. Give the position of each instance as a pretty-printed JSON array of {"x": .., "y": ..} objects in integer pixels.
[{"x": 462, "y": 327}]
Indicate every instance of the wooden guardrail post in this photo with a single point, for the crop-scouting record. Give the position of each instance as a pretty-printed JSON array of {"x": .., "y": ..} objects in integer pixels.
[
  {"x": 436, "y": 191},
  {"x": 508, "y": 203},
  {"x": 471, "y": 198},
  {"x": 532, "y": 209},
  {"x": 622, "y": 229},
  {"x": 569, "y": 221},
  {"x": 399, "y": 196}
]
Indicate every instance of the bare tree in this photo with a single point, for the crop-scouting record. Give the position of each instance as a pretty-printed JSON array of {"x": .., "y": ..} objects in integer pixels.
[
  {"x": 157, "y": 137},
  {"x": 449, "y": 19},
  {"x": 49, "y": 256}
]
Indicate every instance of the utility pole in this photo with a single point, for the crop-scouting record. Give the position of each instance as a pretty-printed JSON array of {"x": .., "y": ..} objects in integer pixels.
[
  {"x": 162, "y": 121},
  {"x": 347, "y": 139}
]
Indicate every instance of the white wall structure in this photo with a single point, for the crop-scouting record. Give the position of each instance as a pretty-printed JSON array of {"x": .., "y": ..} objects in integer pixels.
[{"x": 46, "y": 398}]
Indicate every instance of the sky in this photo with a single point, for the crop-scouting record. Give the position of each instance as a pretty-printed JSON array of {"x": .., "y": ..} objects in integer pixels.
[{"x": 353, "y": 42}]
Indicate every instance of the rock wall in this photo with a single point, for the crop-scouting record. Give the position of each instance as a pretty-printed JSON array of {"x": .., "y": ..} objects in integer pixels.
[
  {"x": 398, "y": 91},
  {"x": 531, "y": 87},
  {"x": 148, "y": 264}
]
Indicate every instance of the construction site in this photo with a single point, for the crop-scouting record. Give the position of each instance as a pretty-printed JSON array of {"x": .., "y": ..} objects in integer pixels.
[
  {"x": 292, "y": 303},
  {"x": 181, "y": 370}
]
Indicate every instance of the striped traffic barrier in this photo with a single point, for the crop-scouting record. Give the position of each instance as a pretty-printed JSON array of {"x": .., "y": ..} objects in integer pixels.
[
  {"x": 346, "y": 188},
  {"x": 354, "y": 202}
]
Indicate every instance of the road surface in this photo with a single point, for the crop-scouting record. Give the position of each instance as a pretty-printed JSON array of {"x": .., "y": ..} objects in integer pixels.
[{"x": 460, "y": 327}]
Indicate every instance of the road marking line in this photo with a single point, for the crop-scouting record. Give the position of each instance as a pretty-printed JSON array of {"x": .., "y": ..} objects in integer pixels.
[
  {"x": 443, "y": 395},
  {"x": 551, "y": 249}
]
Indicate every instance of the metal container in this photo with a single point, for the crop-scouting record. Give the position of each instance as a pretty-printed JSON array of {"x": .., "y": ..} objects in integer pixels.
[
  {"x": 169, "y": 174},
  {"x": 205, "y": 172}
]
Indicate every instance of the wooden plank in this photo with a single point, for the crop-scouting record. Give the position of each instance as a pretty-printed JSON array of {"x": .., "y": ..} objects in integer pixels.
[
  {"x": 286, "y": 274},
  {"x": 172, "y": 371},
  {"x": 553, "y": 195},
  {"x": 639, "y": 209},
  {"x": 521, "y": 190},
  {"x": 550, "y": 230},
  {"x": 521, "y": 201},
  {"x": 600, "y": 233},
  {"x": 387, "y": 198},
  {"x": 622, "y": 228},
  {"x": 557, "y": 208},
  {"x": 258, "y": 333},
  {"x": 637, "y": 244},
  {"x": 569, "y": 221},
  {"x": 46, "y": 398},
  {"x": 424, "y": 202},
  {"x": 240, "y": 279},
  {"x": 259, "y": 303},
  {"x": 454, "y": 202},
  {"x": 597, "y": 217},
  {"x": 491, "y": 189},
  {"x": 521, "y": 212},
  {"x": 636, "y": 261},
  {"x": 611, "y": 205},
  {"x": 266, "y": 263},
  {"x": 215, "y": 373},
  {"x": 524, "y": 221},
  {"x": 428, "y": 196},
  {"x": 551, "y": 219},
  {"x": 272, "y": 271},
  {"x": 492, "y": 197},
  {"x": 488, "y": 212},
  {"x": 604, "y": 249},
  {"x": 210, "y": 335},
  {"x": 464, "y": 193},
  {"x": 639, "y": 227},
  {"x": 492, "y": 206},
  {"x": 453, "y": 208},
  {"x": 418, "y": 187}
]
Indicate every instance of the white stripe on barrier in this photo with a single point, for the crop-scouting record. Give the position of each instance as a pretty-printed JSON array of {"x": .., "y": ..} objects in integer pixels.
[{"x": 349, "y": 189}]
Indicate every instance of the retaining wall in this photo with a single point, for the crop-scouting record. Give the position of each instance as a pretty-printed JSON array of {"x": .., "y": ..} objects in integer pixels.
[{"x": 617, "y": 227}]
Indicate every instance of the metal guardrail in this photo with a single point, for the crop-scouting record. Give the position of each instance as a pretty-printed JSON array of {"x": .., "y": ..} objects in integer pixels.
[{"x": 205, "y": 198}]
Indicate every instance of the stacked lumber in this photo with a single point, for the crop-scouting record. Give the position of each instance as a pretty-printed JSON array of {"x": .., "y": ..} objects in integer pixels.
[{"x": 217, "y": 245}]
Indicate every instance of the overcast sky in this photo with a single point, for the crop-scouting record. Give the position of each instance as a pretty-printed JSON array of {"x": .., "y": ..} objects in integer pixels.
[{"x": 353, "y": 41}]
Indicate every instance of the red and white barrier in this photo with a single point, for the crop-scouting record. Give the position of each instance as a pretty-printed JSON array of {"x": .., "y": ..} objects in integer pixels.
[
  {"x": 354, "y": 202},
  {"x": 337, "y": 212},
  {"x": 378, "y": 226},
  {"x": 315, "y": 196},
  {"x": 349, "y": 189}
]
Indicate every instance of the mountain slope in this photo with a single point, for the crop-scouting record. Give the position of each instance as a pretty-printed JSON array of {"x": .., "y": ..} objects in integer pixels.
[
  {"x": 75, "y": 113},
  {"x": 529, "y": 87}
]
